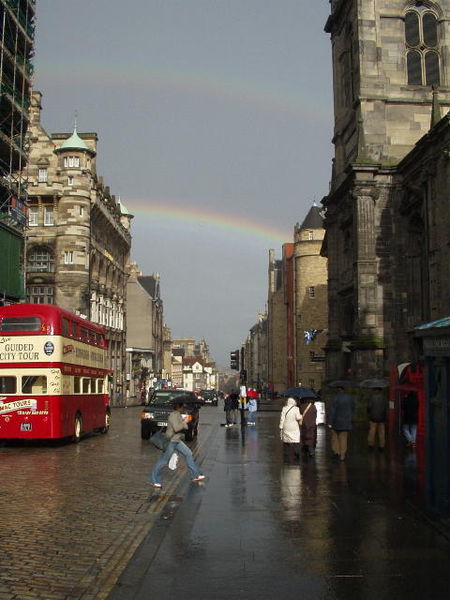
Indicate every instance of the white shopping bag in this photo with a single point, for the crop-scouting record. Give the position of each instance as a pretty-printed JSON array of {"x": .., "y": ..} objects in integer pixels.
[{"x": 173, "y": 461}]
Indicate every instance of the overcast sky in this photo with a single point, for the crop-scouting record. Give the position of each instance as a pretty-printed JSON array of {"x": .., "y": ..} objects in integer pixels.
[{"x": 214, "y": 120}]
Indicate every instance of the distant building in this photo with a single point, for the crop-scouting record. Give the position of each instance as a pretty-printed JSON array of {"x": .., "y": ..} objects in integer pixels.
[
  {"x": 78, "y": 238},
  {"x": 17, "y": 25},
  {"x": 144, "y": 331},
  {"x": 310, "y": 301},
  {"x": 198, "y": 375},
  {"x": 292, "y": 336}
]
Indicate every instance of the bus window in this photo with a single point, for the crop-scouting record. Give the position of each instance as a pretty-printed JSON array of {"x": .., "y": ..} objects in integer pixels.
[
  {"x": 21, "y": 324},
  {"x": 76, "y": 385},
  {"x": 74, "y": 329},
  {"x": 65, "y": 327},
  {"x": 98, "y": 338},
  {"x": 84, "y": 334},
  {"x": 99, "y": 386},
  {"x": 91, "y": 337},
  {"x": 86, "y": 384},
  {"x": 8, "y": 385},
  {"x": 34, "y": 384}
]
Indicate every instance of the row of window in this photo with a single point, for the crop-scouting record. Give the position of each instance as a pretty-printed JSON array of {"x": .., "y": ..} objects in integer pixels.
[
  {"x": 70, "y": 162},
  {"x": 37, "y": 384},
  {"x": 42, "y": 261},
  {"x": 45, "y": 216}
]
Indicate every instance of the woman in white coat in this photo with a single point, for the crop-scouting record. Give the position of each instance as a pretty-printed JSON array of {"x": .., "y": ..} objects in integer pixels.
[{"x": 290, "y": 421}]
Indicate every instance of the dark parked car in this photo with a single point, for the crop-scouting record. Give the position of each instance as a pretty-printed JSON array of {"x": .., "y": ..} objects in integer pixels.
[
  {"x": 209, "y": 397},
  {"x": 161, "y": 403}
]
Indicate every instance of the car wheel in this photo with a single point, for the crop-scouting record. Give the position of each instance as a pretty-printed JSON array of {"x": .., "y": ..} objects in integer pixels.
[
  {"x": 77, "y": 429},
  {"x": 145, "y": 433}
]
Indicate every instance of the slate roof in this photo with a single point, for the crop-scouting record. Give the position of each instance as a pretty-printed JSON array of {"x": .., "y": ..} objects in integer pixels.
[
  {"x": 313, "y": 219},
  {"x": 150, "y": 283}
]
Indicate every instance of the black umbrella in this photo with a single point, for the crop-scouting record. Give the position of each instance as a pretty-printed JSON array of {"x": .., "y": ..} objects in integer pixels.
[
  {"x": 343, "y": 383},
  {"x": 300, "y": 392},
  {"x": 374, "y": 383}
]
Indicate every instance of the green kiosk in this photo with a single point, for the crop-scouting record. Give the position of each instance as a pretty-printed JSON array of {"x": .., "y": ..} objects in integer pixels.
[{"x": 435, "y": 343}]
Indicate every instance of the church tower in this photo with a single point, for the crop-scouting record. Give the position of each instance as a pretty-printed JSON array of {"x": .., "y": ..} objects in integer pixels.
[{"x": 388, "y": 56}]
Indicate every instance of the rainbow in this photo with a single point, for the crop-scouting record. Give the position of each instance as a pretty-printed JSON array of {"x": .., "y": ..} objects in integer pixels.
[
  {"x": 216, "y": 221},
  {"x": 299, "y": 104}
]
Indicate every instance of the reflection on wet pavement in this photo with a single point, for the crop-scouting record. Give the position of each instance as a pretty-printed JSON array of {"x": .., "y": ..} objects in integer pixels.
[{"x": 323, "y": 529}]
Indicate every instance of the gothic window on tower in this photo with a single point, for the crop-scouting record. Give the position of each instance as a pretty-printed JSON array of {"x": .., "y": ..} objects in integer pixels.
[{"x": 422, "y": 47}]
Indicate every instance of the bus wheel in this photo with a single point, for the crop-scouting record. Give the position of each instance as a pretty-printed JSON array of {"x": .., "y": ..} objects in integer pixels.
[
  {"x": 77, "y": 429},
  {"x": 105, "y": 427}
]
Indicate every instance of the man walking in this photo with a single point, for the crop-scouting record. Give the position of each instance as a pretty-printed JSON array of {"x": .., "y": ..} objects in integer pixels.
[
  {"x": 377, "y": 414},
  {"x": 176, "y": 425},
  {"x": 340, "y": 421}
]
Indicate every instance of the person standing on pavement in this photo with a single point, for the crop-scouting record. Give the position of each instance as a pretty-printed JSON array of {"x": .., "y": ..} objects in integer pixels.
[
  {"x": 290, "y": 419},
  {"x": 176, "y": 426},
  {"x": 308, "y": 429},
  {"x": 227, "y": 407},
  {"x": 340, "y": 421},
  {"x": 252, "y": 405},
  {"x": 234, "y": 405},
  {"x": 410, "y": 410},
  {"x": 377, "y": 414}
]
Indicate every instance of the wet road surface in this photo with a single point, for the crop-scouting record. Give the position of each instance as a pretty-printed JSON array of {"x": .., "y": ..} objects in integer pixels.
[
  {"x": 257, "y": 528},
  {"x": 79, "y": 522}
]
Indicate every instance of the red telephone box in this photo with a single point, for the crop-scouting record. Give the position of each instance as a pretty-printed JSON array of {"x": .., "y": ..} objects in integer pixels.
[{"x": 403, "y": 379}]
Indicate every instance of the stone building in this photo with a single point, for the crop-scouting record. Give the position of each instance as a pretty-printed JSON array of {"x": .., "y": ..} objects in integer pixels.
[
  {"x": 277, "y": 324},
  {"x": 386, "y": 220},
  {"x": 297, "y": 309},
  {"x": 144, "y": 331},
  {"x": 310, "y": 300},
  {"x": 17, "y": 25},
  {"x": 255, "y": 354},
  {"x": 78, "y": 240}
]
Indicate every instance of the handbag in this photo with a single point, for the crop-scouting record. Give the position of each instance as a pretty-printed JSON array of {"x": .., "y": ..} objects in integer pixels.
[
  {"x": 173, "y": 462},
  {"x": 159, "y": 440}
]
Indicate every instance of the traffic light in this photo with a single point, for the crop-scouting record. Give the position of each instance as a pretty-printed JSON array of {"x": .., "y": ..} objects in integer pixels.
[{"x": 234, "y": 360}]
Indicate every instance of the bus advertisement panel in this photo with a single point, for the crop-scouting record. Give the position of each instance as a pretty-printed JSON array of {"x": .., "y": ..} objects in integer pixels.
[{"x": 53, "y": 374}]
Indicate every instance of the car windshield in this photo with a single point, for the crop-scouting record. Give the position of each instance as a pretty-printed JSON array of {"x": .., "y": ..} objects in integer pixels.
[{"x": 167, "y": 397}]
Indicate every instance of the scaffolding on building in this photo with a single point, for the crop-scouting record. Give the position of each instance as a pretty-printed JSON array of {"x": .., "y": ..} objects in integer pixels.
[{"x": 17, "y": 23}]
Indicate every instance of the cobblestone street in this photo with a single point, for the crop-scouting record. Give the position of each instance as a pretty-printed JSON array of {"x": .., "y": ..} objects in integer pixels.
[{"x": 73, "y": 514}]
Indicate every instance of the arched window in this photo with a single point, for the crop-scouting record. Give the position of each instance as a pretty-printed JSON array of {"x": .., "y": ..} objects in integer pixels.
[{"x": 422, "y": 51}]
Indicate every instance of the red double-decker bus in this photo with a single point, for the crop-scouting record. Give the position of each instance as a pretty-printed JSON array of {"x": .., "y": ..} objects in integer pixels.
[{"x": 53, "y": 376}]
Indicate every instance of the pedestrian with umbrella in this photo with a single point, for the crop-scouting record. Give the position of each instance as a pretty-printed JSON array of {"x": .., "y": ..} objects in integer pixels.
[{"x": 308, "y": 428}]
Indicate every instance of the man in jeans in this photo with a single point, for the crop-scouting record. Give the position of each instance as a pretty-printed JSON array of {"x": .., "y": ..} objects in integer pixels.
[
  {"x": 176, "y": 425},
  {"x": 377, "y": 414}
]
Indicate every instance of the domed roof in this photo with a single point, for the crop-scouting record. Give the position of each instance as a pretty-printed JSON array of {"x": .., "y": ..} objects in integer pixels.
[{"x": 74, "y": 142}]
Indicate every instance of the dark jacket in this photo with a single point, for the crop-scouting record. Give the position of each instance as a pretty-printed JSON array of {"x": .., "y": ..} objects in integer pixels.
[
  {"x": 308, "y": 429},
  {"x": 377, "y": 408},
  {"x": 231, "y": 402},
  {"x": 341, "y": 412},
  {"x": 410, "y": 409}
]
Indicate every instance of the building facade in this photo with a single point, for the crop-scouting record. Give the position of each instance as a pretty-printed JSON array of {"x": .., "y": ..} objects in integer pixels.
[
  {"x": 310, "y": 301},
  {"x": 385, "y": 239},
  {"x": 144, "y": 331},
  {"x": 78, "y": 238},
  {"x": 16, "y": 51}
]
